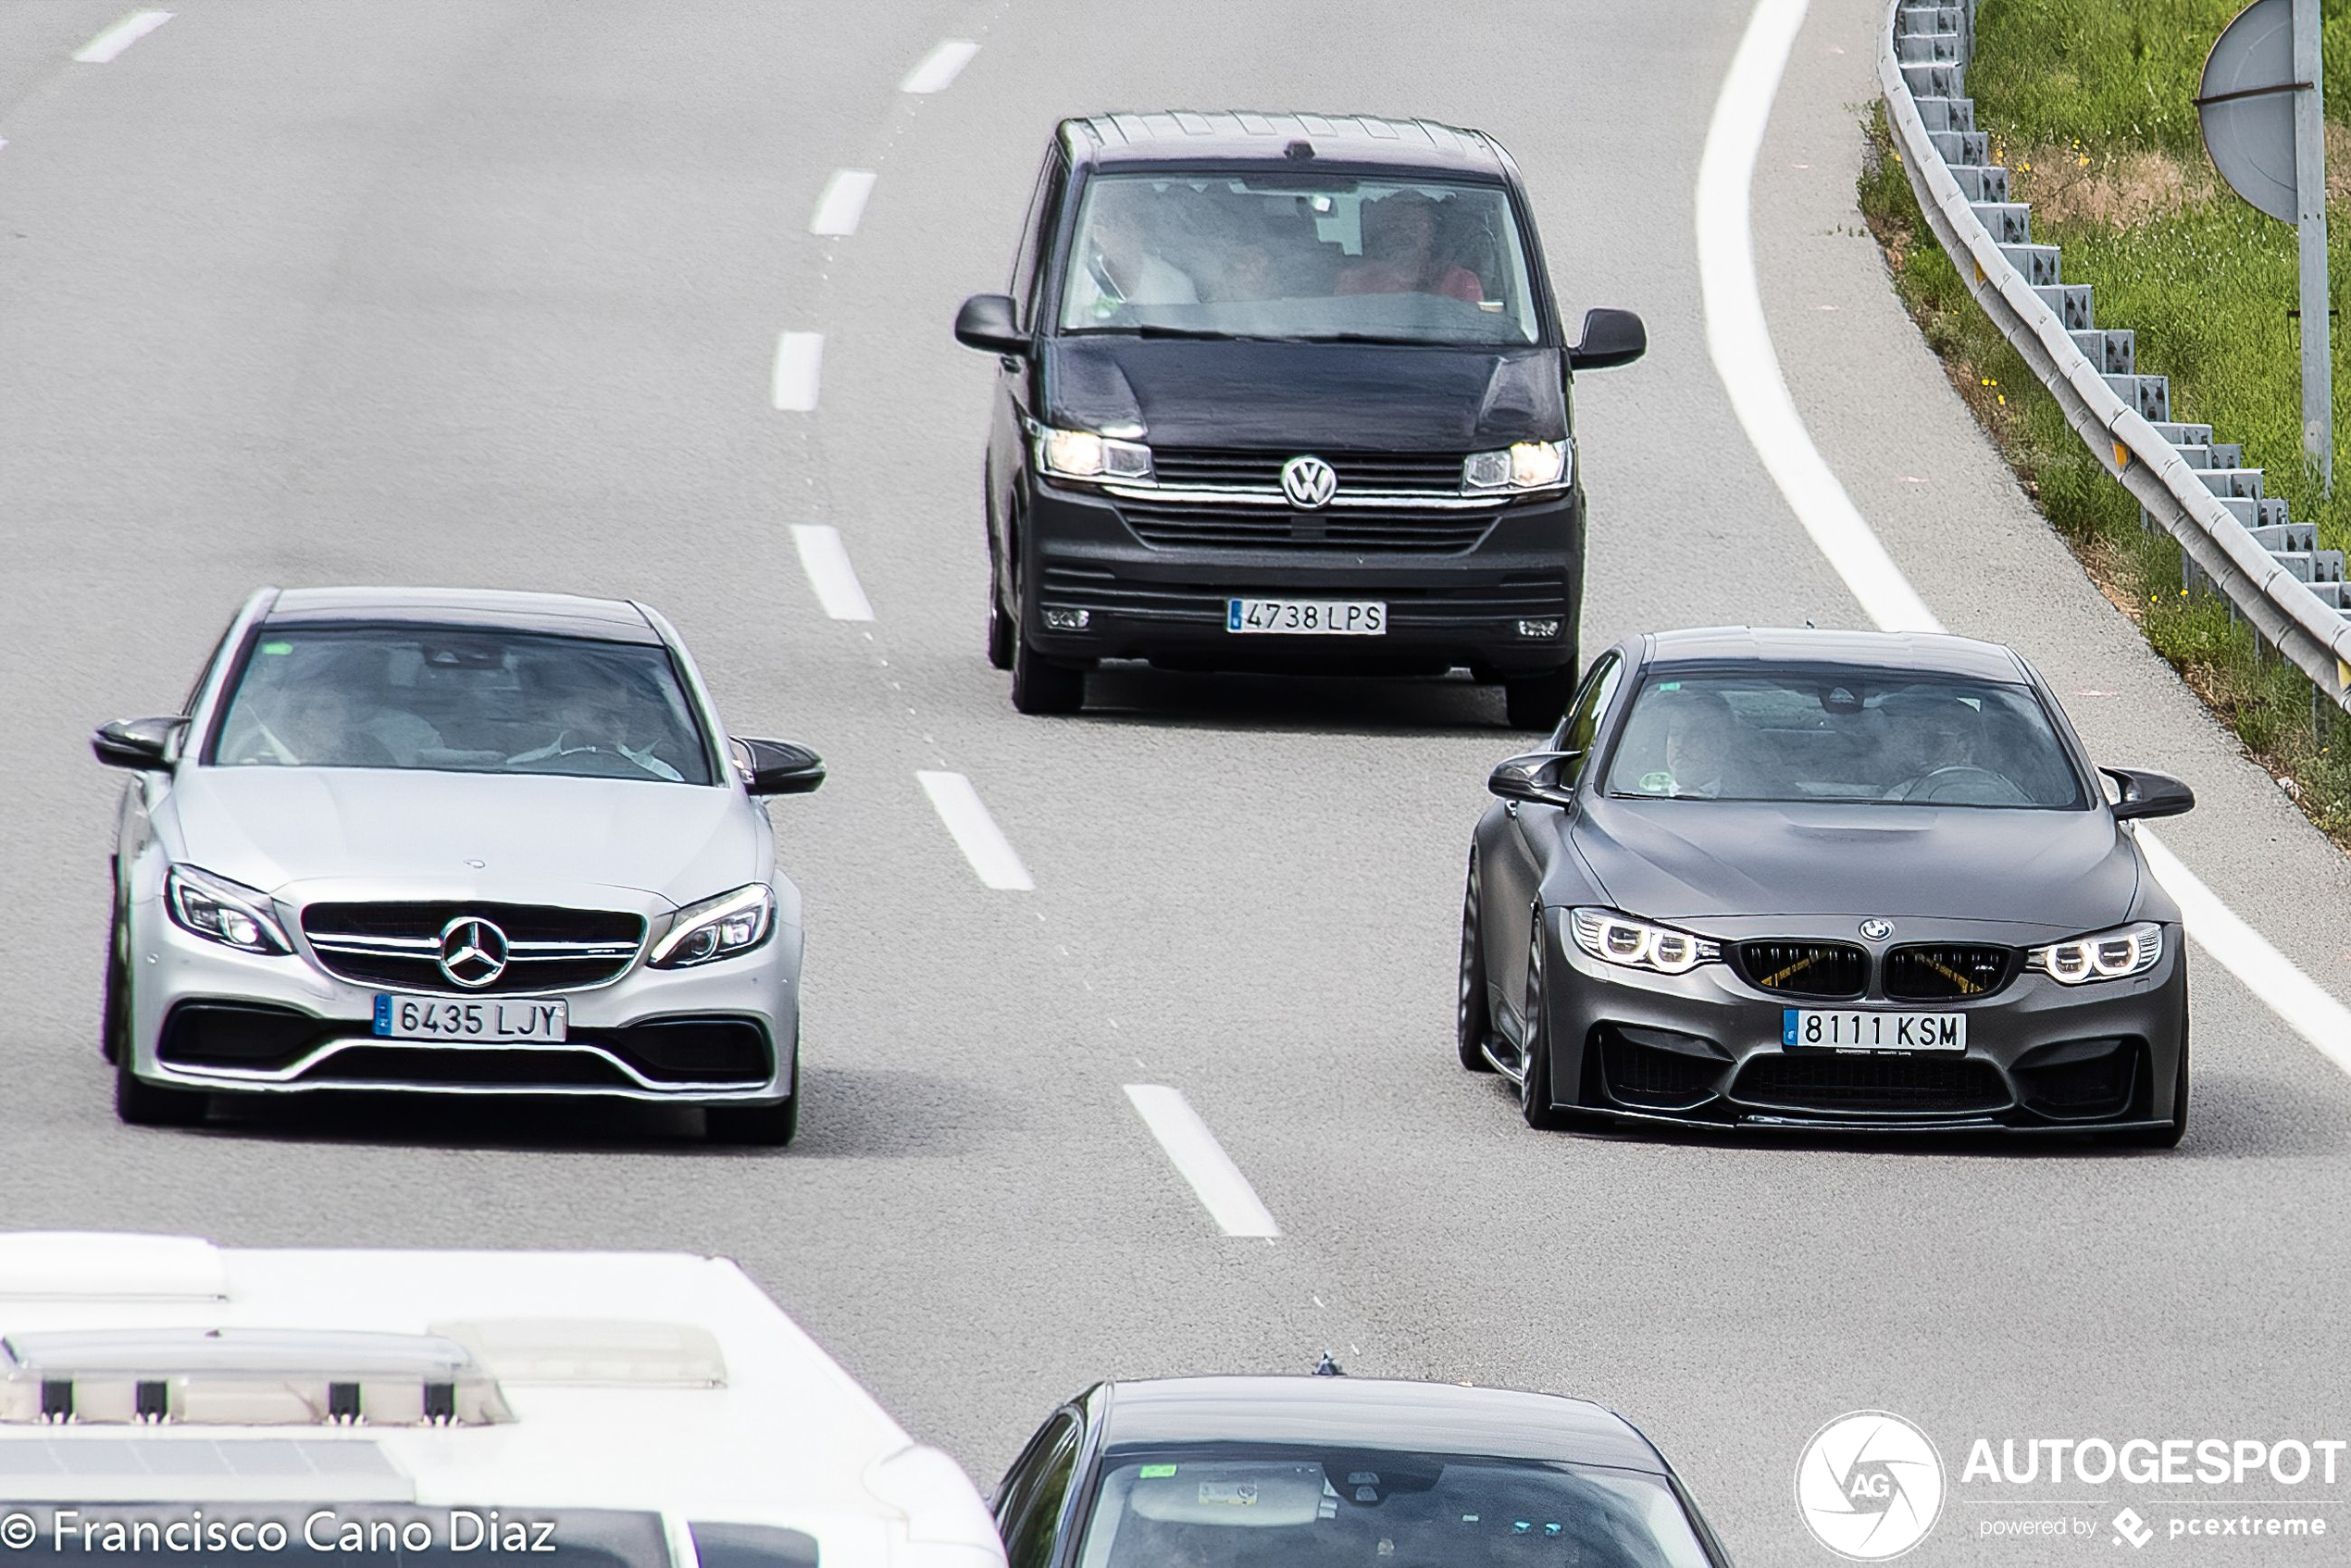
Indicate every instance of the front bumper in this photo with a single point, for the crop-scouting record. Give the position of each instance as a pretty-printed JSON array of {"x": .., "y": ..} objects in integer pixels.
[
  {"x": 205, "y": 1016},
  {"x": 1167, "y": 602},
  {"x": 1705, "y": 1048}
]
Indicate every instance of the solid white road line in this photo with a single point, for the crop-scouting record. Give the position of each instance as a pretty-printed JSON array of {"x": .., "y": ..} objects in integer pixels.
[
  {"x": 120, "y": 36},
  {"x": 975, "y": 832},
  {"x": 1740, "y": 341},
  {"x": 1201, "y": 1160},
  {"x": 825, "y": 560},
  {"x": 843, "y": 202},
  {"x": 2246, "y": 953},
  {"x": 941, "y": 66},
  {"x": 799, "y": 358}
]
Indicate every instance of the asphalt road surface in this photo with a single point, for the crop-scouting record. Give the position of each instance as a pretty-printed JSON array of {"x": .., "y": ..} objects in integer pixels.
[{"x": 489, "y": 292}]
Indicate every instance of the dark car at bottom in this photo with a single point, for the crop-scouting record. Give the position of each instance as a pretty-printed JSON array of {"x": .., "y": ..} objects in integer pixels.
[
  {"x": 1284, "y": 392},
  {"x": 1825, "y": 879},
  {"x": 1270, "y": 1472}
]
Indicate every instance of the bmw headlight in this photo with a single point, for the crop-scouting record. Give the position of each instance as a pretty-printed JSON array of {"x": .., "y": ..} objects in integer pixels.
[
  {"x": 1615, "y": 938},
  {"x": 1531, "y": 465},
  {"x": 715, "y": 929},
  {"x": 2109, "y": 955},
  {"x": 224, "y": 912},
  {"x": 1082, "y": 454}
]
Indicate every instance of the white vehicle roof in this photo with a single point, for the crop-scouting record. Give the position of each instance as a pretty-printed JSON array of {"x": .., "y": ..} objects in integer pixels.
[{"x": 646, "y": 1382}]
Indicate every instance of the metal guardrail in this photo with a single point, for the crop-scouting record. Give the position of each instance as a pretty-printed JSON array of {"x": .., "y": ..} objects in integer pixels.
[{"x": 2212, "y": 509}]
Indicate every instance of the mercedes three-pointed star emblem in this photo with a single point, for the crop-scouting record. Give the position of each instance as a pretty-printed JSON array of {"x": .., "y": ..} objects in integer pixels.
[{"x": 473, "y": 952}]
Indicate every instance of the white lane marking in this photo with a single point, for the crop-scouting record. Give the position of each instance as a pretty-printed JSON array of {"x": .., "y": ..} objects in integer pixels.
[
  {"x": 1740, "y": 341},
  {"x": 2246, "y": 953},
  {"x": 941, "y": 66},
  {"x": 975, "y": 832},
  {"x": 799, "y": 358},
  {"x": 1201, "y": 1160},
  {"x": 825, "y": 560},
  {"x": 120, "y": 36},
  {"x": 843, "y": 202}
]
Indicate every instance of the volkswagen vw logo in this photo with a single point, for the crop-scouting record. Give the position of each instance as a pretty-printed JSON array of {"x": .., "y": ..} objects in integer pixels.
[
  {"x": 1309, "y": 482},
  {"x": 1870, "y": 1485},
  {"x": 473, "y": 952},
  {"x": 1877, "y": 927}
]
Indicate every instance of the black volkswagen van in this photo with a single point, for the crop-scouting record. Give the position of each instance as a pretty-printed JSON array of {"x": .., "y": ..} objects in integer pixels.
[{"x": 1283, "y": 391}]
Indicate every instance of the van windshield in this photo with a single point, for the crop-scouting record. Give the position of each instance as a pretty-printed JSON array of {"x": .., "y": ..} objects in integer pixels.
[{"x": 1297, "y": 258}]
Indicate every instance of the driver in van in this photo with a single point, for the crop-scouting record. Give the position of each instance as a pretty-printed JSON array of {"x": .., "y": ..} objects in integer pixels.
[{"x": 1122, "y": 263}]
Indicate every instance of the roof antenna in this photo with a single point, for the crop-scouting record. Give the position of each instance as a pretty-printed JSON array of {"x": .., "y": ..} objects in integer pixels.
[
  {"x": 1329, "y": 1368},
  {"x": 1299, "y": 151}
]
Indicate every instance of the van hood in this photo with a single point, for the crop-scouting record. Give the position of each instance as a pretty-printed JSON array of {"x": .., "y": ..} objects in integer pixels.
[{"x": 1190, "y": 392}]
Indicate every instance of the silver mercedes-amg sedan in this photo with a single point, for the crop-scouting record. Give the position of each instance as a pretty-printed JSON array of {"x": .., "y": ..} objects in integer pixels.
[{"x": 453, "y": 841}]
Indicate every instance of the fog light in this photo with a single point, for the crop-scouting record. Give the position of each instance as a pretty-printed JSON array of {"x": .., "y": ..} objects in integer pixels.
[
  {"x": 1067, "y": 620},
  {"x": 1543, "y": 629}
]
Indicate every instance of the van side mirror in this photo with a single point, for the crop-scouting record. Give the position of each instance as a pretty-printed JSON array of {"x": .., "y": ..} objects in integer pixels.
[
  {"x": 990, "y": 323},
  {"x": 777, "y": 767},
  {"x": 1611, "y": 338},
  {"x": 2148, "y": 794},
  {"x": 1534, "y": 777},
  {"x": 143, "y": 745}
]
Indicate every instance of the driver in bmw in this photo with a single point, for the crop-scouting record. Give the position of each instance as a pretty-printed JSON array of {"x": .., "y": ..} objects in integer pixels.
[
  {"x": 591, "y": 718},
  {"x": 1938, "y": 734}
]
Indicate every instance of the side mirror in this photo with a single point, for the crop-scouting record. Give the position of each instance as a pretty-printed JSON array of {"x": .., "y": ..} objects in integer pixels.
[
  {"x": 2148, "y": 794},
  {"x": 1534, "y": 776},
  {"x": 777, "y": 767},
  {"x": 990, "y": 323},
  {"x": 143, "y": 745},
  {"x": 1611, "y": 338}
]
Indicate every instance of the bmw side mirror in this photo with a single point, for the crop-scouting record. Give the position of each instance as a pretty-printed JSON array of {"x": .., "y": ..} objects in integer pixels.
[
  {"x": 1534, "y": 776},
  {"x": 2148, "y": 794},
  {"x": 1611, "y": 338},
  {"x": 143, "y": 745},
  {"x": 777, "y": 767},
  {"x": 990, "y": 323}
]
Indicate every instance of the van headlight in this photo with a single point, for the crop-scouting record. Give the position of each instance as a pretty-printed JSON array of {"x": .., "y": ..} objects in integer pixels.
[
  {"x": 715, "y": 929},
  {"x": 1613, "y": 937},
  {"x": 224, "y": 912},
  {"x": 1082, "y": 454},
  {"x": 2109, "y": 955},
  {"x": 1531, "y": 465}
]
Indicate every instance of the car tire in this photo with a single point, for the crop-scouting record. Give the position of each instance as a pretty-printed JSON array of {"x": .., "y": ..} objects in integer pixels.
[
  {"x": 1000, "y": 627},
  {"x": 140, "y": 1104},
  {"x": 2167, "y": 1135},
  {"x": 1536, "y": 701},
  {"x": 114, "y": 1007},
  {"x": 1473, "y": 1016},
  {"x": 1535, "y": 1082},
  {"x": 1040, "y": 686}
]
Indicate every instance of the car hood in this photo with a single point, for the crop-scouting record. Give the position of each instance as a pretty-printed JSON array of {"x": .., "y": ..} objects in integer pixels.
[
  {"x": 307, "y": 832},
  {"x": 1365, "y": 395},
  {"x": 2065, "y": 872}
]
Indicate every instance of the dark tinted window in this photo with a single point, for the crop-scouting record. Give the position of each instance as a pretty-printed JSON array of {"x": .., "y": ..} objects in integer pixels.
[
  {"x": 1816, "y": 733},
  {"x": 1028, "y": 1512},
  {"x": 1244, "y": 1508},
  {"x": 461, "y": 700},
  {"x": 1581, "y": 728},
  {"x": 751, "y": 1546},
  {"x": 1044, "y": 208}
]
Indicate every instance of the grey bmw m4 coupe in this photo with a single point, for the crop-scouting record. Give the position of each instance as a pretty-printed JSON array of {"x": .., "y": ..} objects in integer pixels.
[
  {"x": 455, "y": 843},
  {"x": 1824, "y": 879}
]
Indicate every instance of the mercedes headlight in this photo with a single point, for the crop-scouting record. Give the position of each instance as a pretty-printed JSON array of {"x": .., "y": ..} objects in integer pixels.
[
  {"x": 1082, "y": 454},
  {"x": 715, "y": 929},
  {"x": 1614, "y": 937},
  {"x": 2110, "y": 955},
  {"x": 1531, "y": 465},
  {"x": 224, "y": 912}
]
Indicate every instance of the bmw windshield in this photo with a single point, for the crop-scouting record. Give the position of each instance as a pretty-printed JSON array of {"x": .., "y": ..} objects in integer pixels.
[
  {"x": 1298, "y": 257},
  {"x": 460, "y": 699}
]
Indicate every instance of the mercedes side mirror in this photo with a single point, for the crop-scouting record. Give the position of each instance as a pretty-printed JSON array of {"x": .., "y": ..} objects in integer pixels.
[
  {"x": 143, "y": 745},
  {"x": 1534, "y": 776},
  {"x": 2148, "y": 794},
  {"x": 777, "y": 767},
  {"x": 1611, "y": 338},
  {"x": 990, "y": 323}
]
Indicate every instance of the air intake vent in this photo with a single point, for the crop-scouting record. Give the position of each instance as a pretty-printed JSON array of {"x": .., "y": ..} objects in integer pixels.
[
  {"x": 1942, "y": 973},
  {"x": 1815, "y": 969},
  {"x": 1918, "y": 1084}
]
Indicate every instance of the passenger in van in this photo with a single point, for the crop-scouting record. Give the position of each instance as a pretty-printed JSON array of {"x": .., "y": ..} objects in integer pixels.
[{"x": 1403, "y": 253}]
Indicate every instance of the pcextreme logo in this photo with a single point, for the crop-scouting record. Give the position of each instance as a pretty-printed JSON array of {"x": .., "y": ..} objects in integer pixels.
[{"x": 1870, "y": 1485}]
